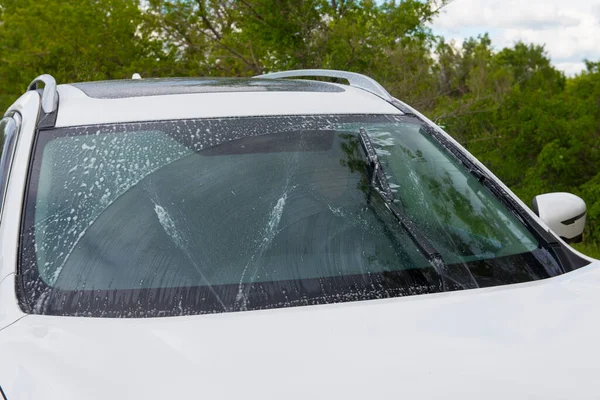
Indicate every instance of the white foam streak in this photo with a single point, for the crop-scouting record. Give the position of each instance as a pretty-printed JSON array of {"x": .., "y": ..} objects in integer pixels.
[{"x": 268, "y": 236}]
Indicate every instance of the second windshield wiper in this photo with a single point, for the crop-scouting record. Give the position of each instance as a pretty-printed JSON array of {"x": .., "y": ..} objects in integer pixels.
[{"x": 378, "y": 181}]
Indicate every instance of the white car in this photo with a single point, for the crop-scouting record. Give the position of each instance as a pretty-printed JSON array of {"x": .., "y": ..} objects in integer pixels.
[{"x": 272, "y": 238}]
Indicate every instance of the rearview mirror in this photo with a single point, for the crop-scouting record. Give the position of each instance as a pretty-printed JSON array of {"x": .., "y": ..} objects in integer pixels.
[{"x": 564, "y": 213}]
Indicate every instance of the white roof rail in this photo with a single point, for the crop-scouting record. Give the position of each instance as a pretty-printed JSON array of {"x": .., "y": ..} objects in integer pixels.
[
  {"x": 353, "y": 78},
  {"x": 49, "y": 93}
]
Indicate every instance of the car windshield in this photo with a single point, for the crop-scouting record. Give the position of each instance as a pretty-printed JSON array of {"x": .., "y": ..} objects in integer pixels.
[{"x": 216, "y": 215}]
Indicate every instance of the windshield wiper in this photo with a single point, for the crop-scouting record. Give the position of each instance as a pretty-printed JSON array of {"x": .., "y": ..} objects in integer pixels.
[{"x": 379, "y": 182}]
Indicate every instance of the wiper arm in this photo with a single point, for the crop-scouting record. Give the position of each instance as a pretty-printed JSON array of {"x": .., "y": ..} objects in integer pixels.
[{"x": 379, "y": 182}]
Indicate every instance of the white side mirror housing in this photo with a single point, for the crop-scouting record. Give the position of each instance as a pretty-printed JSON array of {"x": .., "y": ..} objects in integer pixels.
[{"x": 564, "y": 213}]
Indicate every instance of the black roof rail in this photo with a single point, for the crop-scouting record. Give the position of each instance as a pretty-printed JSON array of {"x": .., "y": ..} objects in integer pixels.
[{"x": 48, "y": 112}]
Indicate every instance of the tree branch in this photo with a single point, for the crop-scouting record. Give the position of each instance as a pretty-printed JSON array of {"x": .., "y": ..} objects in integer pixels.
[
  {"x": 253, "y": 11},
  {"x": 206, "y": 21}
]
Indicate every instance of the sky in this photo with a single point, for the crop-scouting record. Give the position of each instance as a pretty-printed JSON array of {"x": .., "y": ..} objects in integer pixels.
[{"x": 569, "y": 29}]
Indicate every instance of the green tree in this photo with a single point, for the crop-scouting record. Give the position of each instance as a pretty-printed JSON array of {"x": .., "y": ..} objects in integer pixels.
[
  {"x": 534, "y": 128},
  {"x": 388, "y": 40},
  {"x": 76, "y": 40}
]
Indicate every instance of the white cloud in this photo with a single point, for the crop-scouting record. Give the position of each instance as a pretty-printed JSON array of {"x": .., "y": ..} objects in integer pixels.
[
  {"x": 571, "y": 68},
  {"x": 570, "y": 30},
  {"x": 503, "y": 14}
]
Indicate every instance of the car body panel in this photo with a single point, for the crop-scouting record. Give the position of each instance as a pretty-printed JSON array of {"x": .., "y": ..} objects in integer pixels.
[
  {"x": 524, "y": 341},
  {"x": 9, "y": 308},
  {"x": 76, "y": 108}
]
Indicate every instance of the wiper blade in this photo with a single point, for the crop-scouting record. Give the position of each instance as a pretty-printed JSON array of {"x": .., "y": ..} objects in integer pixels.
[
  {"x": 375, "y": 168},
  {"x": 379, "y": 182}
]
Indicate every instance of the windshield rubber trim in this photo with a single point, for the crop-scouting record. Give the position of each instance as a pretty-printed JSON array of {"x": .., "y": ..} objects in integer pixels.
[{"x": 19, "y": 275}]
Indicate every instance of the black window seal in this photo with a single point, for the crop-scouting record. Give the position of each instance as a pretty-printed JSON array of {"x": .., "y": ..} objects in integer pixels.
[
  {"x": 47, "y": 120},
  {"x": 19, "y": 279}
]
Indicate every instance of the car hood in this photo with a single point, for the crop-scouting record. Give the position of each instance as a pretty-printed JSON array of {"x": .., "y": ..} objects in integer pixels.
[{"x": 526, "y": 341}]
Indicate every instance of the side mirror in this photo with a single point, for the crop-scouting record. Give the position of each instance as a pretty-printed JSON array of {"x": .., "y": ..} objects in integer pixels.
[{"x": 564, "y": 213}]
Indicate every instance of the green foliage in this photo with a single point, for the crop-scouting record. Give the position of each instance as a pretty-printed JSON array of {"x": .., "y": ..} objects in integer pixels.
[
  {"x": 590, "y": 249},
  {"x": 75, "y": 40},
  {"x": 536, "y": 129}
]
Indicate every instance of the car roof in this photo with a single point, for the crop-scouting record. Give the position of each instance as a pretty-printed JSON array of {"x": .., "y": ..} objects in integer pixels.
[
  {"x": 119, "y": 89},
  {"x": 134, "y": 100}
]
